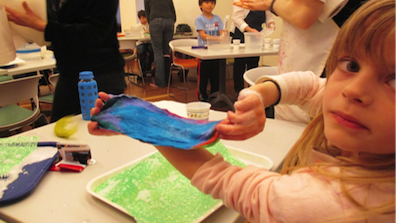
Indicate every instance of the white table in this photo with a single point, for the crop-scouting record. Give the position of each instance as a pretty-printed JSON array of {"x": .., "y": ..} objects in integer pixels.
[
  {"x": 129, "y": 42},
  {"x": 206, "y": 54},
  {"x": 62, "y": 197},
  {"x": 48, "y": 62}
]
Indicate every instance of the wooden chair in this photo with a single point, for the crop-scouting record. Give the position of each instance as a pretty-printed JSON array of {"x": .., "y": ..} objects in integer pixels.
[
  {"x": 181, "y": 64},
  {"x": 12, "y": 116}
]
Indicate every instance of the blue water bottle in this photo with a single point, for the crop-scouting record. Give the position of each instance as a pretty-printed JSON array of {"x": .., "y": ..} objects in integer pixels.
[{"x": 88, "y": 91}]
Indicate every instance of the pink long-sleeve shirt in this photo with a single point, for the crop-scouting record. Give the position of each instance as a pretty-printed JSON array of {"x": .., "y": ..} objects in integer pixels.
[{"x": 304, "y": 196}]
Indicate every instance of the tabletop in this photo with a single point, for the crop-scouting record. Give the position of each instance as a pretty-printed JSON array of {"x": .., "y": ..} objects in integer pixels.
[
  {"x": 129, "y": 42},
  {"x": 206, "y": 54},
  {"x": 62, "y": 196},
  {"x": 48, "y": 62}
]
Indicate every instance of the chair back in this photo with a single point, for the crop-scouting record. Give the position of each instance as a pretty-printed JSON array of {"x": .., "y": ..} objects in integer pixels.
[
  {"x": 17, "y": 90},
  {"x": 182, "y": 42},
  {"x": 252, "y": 75},
  {"x": 14, "y": 91},
  {"x": 53, "y": 79},
  {"x": 185, "y": 63}
]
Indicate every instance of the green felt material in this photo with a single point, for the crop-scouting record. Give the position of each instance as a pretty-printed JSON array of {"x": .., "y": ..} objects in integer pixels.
[
  {"x": 154, "y": 191},
  {"x": 14, "y": 150},
  {"x": 13, "y": 113},
  {"x": 5, "y": 78}
]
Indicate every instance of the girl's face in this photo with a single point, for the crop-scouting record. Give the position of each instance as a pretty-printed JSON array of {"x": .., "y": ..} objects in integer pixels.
[
  {"x": 359, "y": 103},
  {"x": 207, "y": 6}
]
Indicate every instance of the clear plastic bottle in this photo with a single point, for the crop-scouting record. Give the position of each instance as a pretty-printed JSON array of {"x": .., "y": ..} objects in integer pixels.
[{"x": 88, "y": 92}]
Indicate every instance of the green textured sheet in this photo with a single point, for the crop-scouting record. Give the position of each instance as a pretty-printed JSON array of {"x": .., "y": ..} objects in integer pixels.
[
  {"x": 14, "y": 150},
  {"x": 152, "y": 190}
]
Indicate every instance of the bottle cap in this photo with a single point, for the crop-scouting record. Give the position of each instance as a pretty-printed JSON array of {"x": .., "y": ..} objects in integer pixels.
[{"x": 86, "y": 75}]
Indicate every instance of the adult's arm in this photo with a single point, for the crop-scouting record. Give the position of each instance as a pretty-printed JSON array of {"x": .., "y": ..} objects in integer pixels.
[
  {"x": 238, "y": 16},
  {"x": 28, "y": 19},
  {"x": 300, "y": 13}
]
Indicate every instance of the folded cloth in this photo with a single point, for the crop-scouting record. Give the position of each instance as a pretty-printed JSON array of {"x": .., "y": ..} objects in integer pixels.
[{"x": 144, "y": 121}]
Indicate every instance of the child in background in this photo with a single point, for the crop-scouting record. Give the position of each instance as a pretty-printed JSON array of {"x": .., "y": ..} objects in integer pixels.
[
  {"x": 208, "y": 25},
  {"x": 342, "y": 169},
  {"x": 142, "y": 46}
]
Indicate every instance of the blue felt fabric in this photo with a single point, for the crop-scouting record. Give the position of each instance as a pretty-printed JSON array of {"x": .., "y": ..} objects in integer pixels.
[{"x": 144, "y": 121}]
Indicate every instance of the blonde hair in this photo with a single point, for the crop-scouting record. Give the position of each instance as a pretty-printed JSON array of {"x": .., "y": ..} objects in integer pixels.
[{"x": 363, "y": 33}]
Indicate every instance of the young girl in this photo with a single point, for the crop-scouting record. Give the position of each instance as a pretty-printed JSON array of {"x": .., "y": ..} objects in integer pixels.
[{"x": 342, "y": 169}]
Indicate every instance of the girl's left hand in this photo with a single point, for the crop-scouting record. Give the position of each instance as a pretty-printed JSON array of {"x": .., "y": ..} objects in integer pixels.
[{"x": 247, "y": 121}]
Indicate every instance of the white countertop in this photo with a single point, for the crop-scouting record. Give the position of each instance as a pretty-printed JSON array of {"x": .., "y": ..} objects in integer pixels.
[
  {"x": 62, "y": 197},
  {"x": 208, "y": 54},
  {"x": 48, "y": 62}
]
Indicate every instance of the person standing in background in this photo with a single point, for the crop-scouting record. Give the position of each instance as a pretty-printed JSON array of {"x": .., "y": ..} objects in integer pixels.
[
  {"x": 308, "y": 33},
  {"x": 83, "y": 34},
  {"x": 245, "y": 20},
  {"x": 142, "y": 46},
  {"x": 161, "y": 16}
]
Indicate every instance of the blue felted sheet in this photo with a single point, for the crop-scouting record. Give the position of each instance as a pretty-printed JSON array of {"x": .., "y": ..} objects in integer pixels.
[{"x": 144, "y": 121}]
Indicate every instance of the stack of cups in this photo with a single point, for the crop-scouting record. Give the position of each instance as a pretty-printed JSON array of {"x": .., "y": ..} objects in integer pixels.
[
  {"x": 236, "y": 43},
  {"x": 276, "y": 43},
  {"x": 267, "y": 43}
]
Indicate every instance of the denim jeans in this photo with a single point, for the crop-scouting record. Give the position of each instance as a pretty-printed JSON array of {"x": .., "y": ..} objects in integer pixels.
[
  {"x": 161, "y": 33},
  {"x": 143, "y": 49}
]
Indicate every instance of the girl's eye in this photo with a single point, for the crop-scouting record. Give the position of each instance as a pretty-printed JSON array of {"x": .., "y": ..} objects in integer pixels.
[
  {"x": 349, "y": 65},
  {"x": 391, "y": 83}
]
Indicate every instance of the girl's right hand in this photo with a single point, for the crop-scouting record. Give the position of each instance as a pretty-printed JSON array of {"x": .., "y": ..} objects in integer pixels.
[{"x": 93, "y": 126}]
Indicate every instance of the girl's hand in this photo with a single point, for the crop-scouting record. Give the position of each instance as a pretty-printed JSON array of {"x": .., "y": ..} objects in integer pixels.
[
  {"x": 28, "y": 19},
  {"x": 247, "y": 121},
  {"x": 93, "y": 126}
]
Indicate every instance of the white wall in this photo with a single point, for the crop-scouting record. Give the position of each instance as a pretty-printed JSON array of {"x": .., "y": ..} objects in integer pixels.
[{"x": 186, "y": 12}]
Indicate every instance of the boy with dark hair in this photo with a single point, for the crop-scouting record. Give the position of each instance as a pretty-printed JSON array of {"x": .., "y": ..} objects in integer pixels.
[
  {"x": 208, "y": 25},
  {"x": 144, "y": 47}
]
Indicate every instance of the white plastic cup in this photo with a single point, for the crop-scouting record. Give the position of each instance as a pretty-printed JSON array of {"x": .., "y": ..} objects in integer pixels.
[
  {"x": 267, "y": 45},
  {"x": 267, "y": 40},
  {"x": 276, "y": 41},
  {"x": 198, "y": 110},
  {"x": 236, "y": 43},
  {"x": 276, "y": 46}
]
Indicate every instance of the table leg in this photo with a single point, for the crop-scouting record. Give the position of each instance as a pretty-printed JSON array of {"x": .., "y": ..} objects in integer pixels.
[{"x": 221, "y": 97}]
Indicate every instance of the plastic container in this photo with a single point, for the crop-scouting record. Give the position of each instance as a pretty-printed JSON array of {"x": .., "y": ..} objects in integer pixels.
[
  {"x": 254, "y": 41},
  {"x": 88, "y": 92},
  {"x": 29, "y": 51},
  {"x": 219, "y": 43},
  {"x": 198, "y": 110}
]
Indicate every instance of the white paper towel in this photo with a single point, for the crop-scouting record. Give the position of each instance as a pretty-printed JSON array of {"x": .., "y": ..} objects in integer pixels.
[
  {"x": 7, "y": 49},
  {"x": 22, "y": 34}
]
